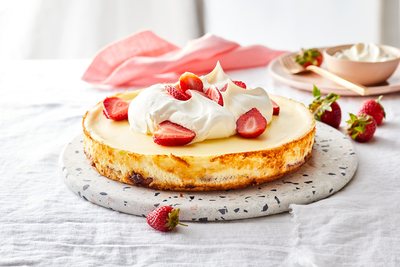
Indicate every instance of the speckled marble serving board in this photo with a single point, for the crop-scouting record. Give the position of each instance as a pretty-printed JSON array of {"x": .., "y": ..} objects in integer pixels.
[{"x": 331, "y": 167}]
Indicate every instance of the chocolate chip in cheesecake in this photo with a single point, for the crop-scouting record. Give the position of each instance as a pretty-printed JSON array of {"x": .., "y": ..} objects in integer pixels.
[{"x": 137, "y": 178}]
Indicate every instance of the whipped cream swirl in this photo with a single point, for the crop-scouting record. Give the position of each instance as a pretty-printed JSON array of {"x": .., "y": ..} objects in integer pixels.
[
  {"x": 366, "y": 52},
  {"x": 205, "y": 117}
]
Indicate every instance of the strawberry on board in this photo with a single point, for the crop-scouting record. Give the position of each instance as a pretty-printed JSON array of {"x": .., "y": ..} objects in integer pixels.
[
  {"x": 309, "y": 57},
  {"x": 238, "y": 83},
  {"x": 215, "y": 95},
  {"x": 172, "y": 134},
  {"x": 275, "y": 107},
  {"x": 189, "y": 80},
  {"x": 326, "y": 109},
  {"x": 115, "y": 108},
  {"x": 251, "y": 124},
  {"x": 373, "y": 108},
  {"x": 164, "y": 218},
  {"x": 361, "y": 128},
  {"x": 176, "y": 93}
]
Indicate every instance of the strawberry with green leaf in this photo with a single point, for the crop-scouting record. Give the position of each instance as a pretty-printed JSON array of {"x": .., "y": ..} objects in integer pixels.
[
  {"x": 373, "y": 108},
  {"x": 309, "y": 57},
  {"x": 164, "y": 218},
  {"x": 361, "y": 128},
  {"x": 326, "y": 110}
]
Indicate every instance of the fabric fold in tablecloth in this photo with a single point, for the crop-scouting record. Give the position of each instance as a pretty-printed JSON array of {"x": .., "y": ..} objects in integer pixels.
[
  {"x": 358, "y": 226},
  {"x": 144, "y": 58},
  {"x": 345, "y": 232}
]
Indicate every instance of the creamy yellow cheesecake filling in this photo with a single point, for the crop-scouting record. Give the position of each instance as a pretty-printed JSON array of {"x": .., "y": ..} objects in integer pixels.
[{"x": 293, "y": 122}]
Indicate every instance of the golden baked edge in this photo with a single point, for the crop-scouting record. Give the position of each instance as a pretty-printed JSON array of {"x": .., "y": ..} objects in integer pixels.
[{"x": 198, "y": 173}]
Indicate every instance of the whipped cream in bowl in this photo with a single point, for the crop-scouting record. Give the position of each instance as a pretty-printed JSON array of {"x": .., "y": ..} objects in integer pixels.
[
  {"x": 366, "y": 52},
  {"x": 363, "y": 63},
  {"x": 205, "y": 117}
]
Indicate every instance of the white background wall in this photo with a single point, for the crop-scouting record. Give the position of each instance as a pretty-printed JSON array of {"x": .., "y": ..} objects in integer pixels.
[
  {"x": 53, "y": 29},
  {"x": 293, "y": 24},
  {"x": 78, "y": 28}
]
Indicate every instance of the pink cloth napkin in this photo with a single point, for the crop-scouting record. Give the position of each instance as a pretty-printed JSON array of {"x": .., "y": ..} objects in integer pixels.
[{"x": 144, "y": 58}]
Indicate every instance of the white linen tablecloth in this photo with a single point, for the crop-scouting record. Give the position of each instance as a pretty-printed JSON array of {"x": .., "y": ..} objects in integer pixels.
[{"x": 42, "y": 223}]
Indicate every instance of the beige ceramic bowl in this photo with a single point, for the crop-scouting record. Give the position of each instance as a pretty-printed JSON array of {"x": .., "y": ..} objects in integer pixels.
[{"x": 365, "y": 73}]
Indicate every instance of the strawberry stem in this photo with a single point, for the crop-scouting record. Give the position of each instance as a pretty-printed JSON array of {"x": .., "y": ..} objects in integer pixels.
[
  {"x": 356, "y": 124},
  {"x": 319, "y": 106},
  {"x": 173, "y": 219},
  {"x": 309, "y": 55},
  {"x": 316, "y": 92}
]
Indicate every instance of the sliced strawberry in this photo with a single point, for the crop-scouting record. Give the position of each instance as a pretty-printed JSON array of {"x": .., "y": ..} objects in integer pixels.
[
  {"x": 275, "y": 107},
  {"x": 172, "y": 134},
  {"x": 215, "y": 95},
  {"x": 238, "y": 83},
  {"x": 115, "y": 108},
  {"x": 224, "y": 88},
  {"x": 190, "y": 81},
  {"x": 251, "y": 124},
  {"x": 177, "y": 86},
  {"x": 177, "y": 94},
  {"x": 189, "y": 93}
]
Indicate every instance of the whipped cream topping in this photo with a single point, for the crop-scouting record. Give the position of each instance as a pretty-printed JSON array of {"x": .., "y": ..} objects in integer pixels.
[
  {"x": 205, "y": 117},
  {"x": 366, "y": 52}
]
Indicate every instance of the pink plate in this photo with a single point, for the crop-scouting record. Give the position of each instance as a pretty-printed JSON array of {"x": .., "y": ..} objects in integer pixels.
[{"x": 305, "y": 81}]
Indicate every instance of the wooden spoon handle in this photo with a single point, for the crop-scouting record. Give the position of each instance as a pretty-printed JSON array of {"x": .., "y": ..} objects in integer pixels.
[{"x": 358, "y": 88}]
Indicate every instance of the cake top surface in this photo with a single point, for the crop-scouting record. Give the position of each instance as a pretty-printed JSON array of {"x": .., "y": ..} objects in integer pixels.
[{"x": 293, "y": 122}]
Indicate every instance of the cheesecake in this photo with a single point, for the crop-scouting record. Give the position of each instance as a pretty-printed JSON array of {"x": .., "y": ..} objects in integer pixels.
[{"x": 218, "y": 158}]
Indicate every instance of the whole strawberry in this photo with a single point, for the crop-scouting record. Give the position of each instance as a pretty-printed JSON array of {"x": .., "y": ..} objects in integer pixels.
[
  {"x": 361, "y": 128},
  {"x": 164, "y": 218},
  {"x": 326, "y": 109},
  {"x": 309, "y": 57},
  {"x": 373, "y": 108}
]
